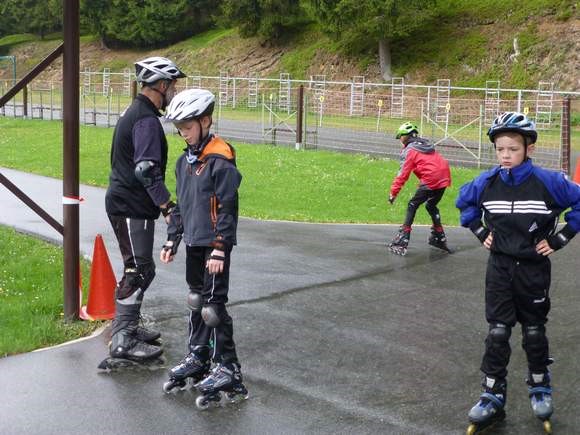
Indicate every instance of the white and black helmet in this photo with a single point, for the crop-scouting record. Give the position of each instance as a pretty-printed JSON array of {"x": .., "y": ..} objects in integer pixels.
[
  {"x": 515, "y": 122},
  {"x": 190, "y": 104},
  {"x": 156, "y": 68}
]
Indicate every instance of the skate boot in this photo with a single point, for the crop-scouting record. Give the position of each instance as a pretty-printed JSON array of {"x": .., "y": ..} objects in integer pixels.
[
  {"x": 438, "y": 239},
  {"x": 147, "y": 335},
  {"x": 490, "y": 407},
  {"x": 194, "y": 365},
  {"x": 541, "y": 398},
  {"x": 224, "y": 377},
  {"x": 400, "y": 242},
  {"x": 127, "y": 351}
]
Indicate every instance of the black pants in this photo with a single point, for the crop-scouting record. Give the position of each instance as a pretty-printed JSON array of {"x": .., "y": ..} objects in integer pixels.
[
  {"x": 516, "y": 291},
  {"x": 431, "y": 198},
  {"x": 214, "y": 291},
  {"x": 135, "y": 237}
]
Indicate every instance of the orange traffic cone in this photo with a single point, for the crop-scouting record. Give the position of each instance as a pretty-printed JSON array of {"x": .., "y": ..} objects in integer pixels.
[
  {"x": 576, "y": 178},
  {"x": 101, "y": 303}
]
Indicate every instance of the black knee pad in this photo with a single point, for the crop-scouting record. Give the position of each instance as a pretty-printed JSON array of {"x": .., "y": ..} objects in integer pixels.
[
  {"x": 194, "y": 301},
  {"x": 148, "y": 273},
  {"x": 211, "y": 315},
  {"x": 499, "y": 334},
  {"x": 135, "y": 279},
  {"x": 533, "y": 335},
  {"x": 412, "y": 206}
]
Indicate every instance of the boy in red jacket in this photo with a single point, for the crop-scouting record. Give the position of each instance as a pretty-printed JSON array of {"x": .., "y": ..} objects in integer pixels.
[{"x": 419, "y": 156}]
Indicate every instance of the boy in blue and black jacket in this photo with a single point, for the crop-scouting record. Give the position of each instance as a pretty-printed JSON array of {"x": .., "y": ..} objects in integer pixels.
[{"x": 520, "y": 204}]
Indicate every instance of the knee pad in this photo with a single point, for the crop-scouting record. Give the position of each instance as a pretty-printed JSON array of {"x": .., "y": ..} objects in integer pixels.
[
  {"x": 534, "y": 335},
  {"x": 499, "y": 334},
  {"x": 135, "y": 279},
  {"x": 211, "y": 315},
  {"x": 147, "y": 273},
  {"x": 194, "y": 301},
  {"x": 412, "y": 206}
]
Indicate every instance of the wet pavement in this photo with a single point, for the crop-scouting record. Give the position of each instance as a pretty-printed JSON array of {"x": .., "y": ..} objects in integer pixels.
[{"x": 335, "y": 335}]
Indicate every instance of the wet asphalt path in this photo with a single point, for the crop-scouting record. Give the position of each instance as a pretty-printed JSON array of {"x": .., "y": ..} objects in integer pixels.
[{"x": 335, "y": 335}]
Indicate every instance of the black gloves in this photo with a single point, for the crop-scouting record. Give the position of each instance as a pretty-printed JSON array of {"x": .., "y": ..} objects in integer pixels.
[
  {"x": 172, "y": 243},
  {"x": 168, "y": 209}
]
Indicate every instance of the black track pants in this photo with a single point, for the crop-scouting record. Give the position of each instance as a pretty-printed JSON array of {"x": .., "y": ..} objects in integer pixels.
[{"x": 516, "y": 291}]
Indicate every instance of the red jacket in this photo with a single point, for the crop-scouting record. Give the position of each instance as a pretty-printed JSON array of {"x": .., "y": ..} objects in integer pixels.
[{"x": 428, "y": 165}]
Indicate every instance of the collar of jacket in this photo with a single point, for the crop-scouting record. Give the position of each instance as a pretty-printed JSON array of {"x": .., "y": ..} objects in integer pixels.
[
  {"x": 517, "y": 175},
  {"x": 421, "y": 145},
  {"x": 217, "y": 146},
  {"x": 149, "y": 103}
]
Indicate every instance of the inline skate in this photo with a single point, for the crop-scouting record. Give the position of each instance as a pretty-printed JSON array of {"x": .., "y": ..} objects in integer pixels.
[
  {"x": 194, "y": 365},
  {"x": 226, "y": 378}
]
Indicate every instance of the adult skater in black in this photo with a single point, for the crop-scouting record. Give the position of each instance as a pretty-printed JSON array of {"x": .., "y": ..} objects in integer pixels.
[
  {"x": 136, "y": 196},
  {"x": 206, "y": 217},
  {"x": 520, "y": 203}
]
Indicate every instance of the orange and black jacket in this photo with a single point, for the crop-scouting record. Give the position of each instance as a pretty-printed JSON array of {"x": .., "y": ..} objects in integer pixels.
[{"x": 207, "y": 195}]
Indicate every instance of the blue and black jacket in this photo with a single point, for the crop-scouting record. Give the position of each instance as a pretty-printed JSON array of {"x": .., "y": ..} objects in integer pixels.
[{"x": 520, "y": 207}]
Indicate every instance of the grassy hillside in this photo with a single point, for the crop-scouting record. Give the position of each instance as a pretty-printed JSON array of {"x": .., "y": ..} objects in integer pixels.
[{"x": 471, "y": 41}]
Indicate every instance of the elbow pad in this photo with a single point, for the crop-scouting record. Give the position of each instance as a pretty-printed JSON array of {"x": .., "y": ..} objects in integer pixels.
[{"x": 147, "y": 172}]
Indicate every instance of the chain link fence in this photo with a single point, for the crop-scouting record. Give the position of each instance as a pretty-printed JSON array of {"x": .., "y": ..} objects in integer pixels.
[{"x": 349, "y": 116}]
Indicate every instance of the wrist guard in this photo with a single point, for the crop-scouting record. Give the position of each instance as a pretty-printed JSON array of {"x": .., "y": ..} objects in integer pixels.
[
  {"x": 176, "y": 240},
  {"x": 479, "y": 230},
  {"x": 561, "y": 239}
]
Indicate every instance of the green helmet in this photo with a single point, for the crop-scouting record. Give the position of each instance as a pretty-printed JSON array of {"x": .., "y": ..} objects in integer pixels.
[{"x": 407, "y": 128}]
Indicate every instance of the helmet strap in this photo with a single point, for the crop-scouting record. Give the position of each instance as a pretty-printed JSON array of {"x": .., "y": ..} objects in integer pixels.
[{"x": 163, "y": 98}]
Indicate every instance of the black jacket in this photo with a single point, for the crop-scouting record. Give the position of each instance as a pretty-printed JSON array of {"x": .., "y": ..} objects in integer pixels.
[
  {"x": 520, "y": 206},
  {"x": 138, "y": 136}
]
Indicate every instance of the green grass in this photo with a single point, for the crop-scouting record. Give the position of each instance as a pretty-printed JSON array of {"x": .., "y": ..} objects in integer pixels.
[
  {"x": 204, "y": 39},
  {"x": 279, "y": 183},
  {"x": 10, "y": 40},
  {"x": 31, "y": 297}
]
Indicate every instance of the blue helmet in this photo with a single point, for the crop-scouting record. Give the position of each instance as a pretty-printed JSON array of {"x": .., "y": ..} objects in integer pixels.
[{"x": 516, "y": 122}]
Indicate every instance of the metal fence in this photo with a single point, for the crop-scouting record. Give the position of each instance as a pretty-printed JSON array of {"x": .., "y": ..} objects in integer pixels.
[{"x": 352, "y": 116}]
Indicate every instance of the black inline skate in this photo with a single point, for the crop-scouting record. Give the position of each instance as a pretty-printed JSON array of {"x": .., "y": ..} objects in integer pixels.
[
  {"x": 490, "y": 407},
  {"x": 126, "y": 351},
  {"x": 224, "y": 377},
  {"x": 194, "y": 365},
  {"x": 400, "y": 242},
  {"x": 438, "y": 240},
  {"x": 541, "y": 398}
]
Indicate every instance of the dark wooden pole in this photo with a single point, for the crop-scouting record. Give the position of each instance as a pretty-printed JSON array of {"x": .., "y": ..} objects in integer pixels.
[
  {"x": 299, "y": 116},
  {"x": 70, "y": 185}
]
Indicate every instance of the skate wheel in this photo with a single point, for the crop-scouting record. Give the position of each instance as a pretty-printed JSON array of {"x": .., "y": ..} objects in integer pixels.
[
  {"x": 202, "y": 403},
  {"x": 548, "y": 427},
  {"x": 237, "y": 397},
  {"x": 471, "y": 429},
  {"x": 167, "y": 386}
]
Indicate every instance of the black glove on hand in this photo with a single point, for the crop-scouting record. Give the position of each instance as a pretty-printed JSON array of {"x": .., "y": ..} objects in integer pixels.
[
  {"x": 175, "y": 240},
  {"x": 168, "y": 209},
  {"x": 479, "y": 230}
]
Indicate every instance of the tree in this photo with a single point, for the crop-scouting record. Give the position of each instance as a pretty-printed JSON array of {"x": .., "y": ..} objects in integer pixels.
[
  {"x": 271, "y": 19},
  {"x": 146, "y": 23},
  {"x": 362, "y": 24},
  {"x": 30, "y": 16}
]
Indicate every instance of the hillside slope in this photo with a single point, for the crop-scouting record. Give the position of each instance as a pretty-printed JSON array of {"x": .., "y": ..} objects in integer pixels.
[{"x": 468, "y": 53}]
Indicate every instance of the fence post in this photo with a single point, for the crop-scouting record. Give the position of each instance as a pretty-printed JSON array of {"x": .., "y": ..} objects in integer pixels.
[
  {"x": 299, "y": 114},
  {"x": 565, "y": 135},
  {"x": 479, "y": 136},
  {"x": 25, "y": 101}
]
